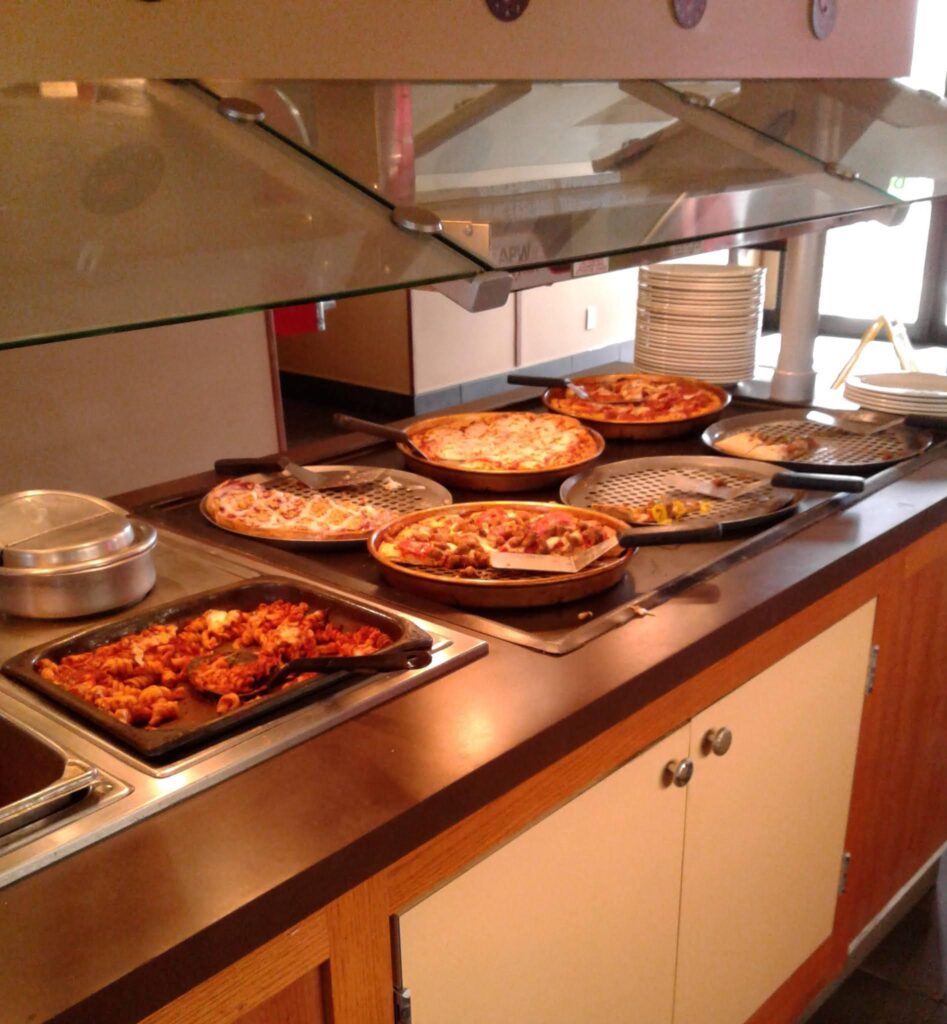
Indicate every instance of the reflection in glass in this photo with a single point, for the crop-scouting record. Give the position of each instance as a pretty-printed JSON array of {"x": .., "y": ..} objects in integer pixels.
[
  {"x": 535, "y": 173},
  {"x": 128, "y": 203},
  {"x": 893, "y": 137}
]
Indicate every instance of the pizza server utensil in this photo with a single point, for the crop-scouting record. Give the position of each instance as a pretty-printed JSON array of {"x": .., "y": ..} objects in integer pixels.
[
  {"x": 864, "y": 422},
  {"x": 564, "y": 382},
  {"x": 344, "y": 478},
  {"x": 801, "y": 481},
  {"x": 379, "y": 430},
  {"x": 636, "y": 538},
  {"x": 380, "y": 661}
]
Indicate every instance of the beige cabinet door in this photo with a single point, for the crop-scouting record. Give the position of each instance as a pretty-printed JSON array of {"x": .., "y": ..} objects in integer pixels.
[
  {"x": 766, "y": 825},
  {"x": 573, "y": 920}
]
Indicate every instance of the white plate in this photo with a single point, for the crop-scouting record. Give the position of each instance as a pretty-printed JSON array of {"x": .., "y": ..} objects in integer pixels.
[
  {"x": 700, "y": 271},
  {"x": 705, "y": 347},
  {"x": 902, "y": 408},
  {"x": 739, "y": 372},
  {"x": 898, "y": 403},
  {"x": 709, "y": 299},
  {"x": 899, "y": 399},
  {"x": 698, "y": 337},
  {"x": 906, "y": 384},
  {"x": 746, "y": 359},
  {"x": 696, "y": 322}
]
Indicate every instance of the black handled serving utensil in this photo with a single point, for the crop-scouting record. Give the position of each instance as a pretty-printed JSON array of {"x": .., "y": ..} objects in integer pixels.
[
  {"x": 569, "y": 384},
  {"x": 331, "y": 479},
  {"x": 378, "y": 430},
  {"x": 532, "y": 380},
  {"x": 381, "y": 661},
  {"x": 639, "y": 537},
  {"x": 818, "y": 481},
  {"x": 710, "y": 488}
]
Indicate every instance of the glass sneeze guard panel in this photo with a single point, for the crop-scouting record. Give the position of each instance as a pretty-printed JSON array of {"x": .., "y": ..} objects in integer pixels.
[
  {"x": 892, "y": 136},
  {"x": 529, "y": 174},
  {"x": 130, "y": 203}
]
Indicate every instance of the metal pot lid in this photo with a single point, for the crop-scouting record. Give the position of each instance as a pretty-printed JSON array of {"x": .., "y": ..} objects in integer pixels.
[{"x": 48, "y": 529}]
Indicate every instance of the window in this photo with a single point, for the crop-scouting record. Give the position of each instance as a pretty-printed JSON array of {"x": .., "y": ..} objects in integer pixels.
[{"x": 901, "y": 272}]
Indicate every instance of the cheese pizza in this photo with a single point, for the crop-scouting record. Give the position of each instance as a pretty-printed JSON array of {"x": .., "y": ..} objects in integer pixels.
[
  {"x": 638, "y": 398},
  {"x": 506, "y": 441},
  {"x": 252, "y": 508}
]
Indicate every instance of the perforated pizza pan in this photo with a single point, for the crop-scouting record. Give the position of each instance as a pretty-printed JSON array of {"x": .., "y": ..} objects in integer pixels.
[
  {"x": 501, "y": 588},
  {"x": 839, "y": 451},
  {"x": 641, "y": 430},
  {"x": 416, "y": 493},
  {"x": 643, "y": 482}
]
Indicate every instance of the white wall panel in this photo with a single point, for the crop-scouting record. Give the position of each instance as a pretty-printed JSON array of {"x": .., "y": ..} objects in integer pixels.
[{"x": 108, "y": 414}]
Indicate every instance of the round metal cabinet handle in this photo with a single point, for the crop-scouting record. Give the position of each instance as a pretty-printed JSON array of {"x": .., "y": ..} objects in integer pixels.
[
  {"x": 717, "y": 741},
  {"x": 678, "y": 773}
]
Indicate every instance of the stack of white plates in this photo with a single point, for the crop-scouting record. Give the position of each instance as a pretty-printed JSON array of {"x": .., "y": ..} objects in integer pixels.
[
  {"x": 906, "y": 393},
  {"x": 699, "y": 321}
]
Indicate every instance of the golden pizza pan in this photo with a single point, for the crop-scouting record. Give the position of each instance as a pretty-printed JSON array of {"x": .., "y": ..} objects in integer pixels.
[
  {"x": 502, "y": 481},
  {"x": 638, "y": 430},
  {"x": 501, "y": 588}
]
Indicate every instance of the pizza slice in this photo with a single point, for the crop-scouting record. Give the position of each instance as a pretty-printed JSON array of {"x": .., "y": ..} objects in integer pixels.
[{"x": 750, "y": 444}]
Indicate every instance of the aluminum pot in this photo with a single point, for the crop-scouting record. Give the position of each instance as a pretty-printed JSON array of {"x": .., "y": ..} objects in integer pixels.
[{"x": 86, "y": 588}]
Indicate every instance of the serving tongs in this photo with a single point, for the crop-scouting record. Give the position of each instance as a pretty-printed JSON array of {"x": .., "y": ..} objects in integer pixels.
[
  {"x": 342, "y": 479},
  {"x": 900, "y": 341},
  {"x": 569, "y": 384},
  {"x": 381, "y": 661}
]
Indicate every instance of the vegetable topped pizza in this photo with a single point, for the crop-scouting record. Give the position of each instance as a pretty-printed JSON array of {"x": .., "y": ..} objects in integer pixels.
[
  {"x": 460, "y": 540},
  {"x": 638, "y": 398},
  {"x": 506, "y": 441}
]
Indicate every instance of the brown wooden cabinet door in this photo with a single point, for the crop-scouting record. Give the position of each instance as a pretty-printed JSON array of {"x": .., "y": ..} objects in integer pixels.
[{"x": 899, "y": 804}]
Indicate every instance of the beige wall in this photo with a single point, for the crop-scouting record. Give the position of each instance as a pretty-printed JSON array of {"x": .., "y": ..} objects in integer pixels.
[
  {"x": 107, "y": 414},
  {"x": 365, "y": 342},
  {"x": 420, "y": 39},
  {"x": 452, "y": 345},
  {"x": 576, "y": 316}
]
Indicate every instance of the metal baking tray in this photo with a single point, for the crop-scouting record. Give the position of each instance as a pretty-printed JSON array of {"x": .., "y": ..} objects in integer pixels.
[
  {"x": 841, "y": 451},
  {"x": 38, "y": 777},
  {"x": 199, "y": 723},
  {"x": 417, "y": 492}
]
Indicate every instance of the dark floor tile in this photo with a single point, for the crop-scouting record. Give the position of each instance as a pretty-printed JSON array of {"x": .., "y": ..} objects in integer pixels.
[
  {"x": 914, "y": 956},
  {"x": 865, "y": 999}
]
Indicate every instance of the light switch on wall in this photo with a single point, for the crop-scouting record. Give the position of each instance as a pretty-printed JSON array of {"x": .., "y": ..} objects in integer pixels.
[{"x": 591, "y": 318}]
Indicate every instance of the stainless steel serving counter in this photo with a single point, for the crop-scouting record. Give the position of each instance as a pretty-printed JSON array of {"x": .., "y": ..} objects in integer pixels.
[{"x": 130, "y": 788}]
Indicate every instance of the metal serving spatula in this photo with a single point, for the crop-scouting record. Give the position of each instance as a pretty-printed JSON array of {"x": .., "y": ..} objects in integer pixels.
[
  {"x": 802, "y": 481},
  {"x": 635, "y": 537},
  {"x": 569, "y": 384}
]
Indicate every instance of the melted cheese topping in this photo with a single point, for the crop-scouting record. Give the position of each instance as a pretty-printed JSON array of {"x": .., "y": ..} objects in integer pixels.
[{"x": 506, "y": 441}]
